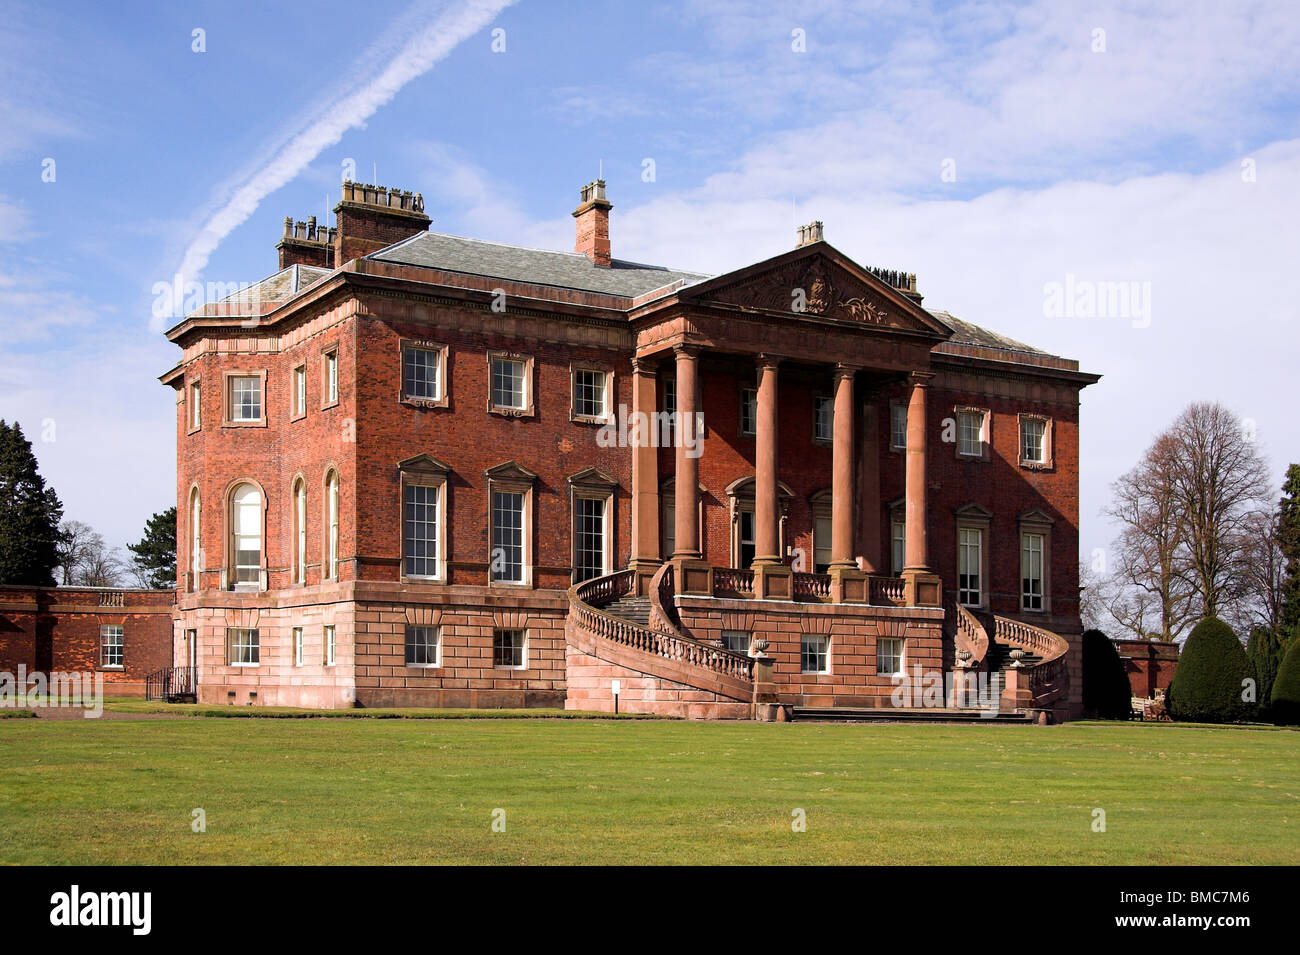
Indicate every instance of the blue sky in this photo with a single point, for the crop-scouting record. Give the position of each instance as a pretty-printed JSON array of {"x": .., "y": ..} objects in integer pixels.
[{"x": 993, "y": 148}]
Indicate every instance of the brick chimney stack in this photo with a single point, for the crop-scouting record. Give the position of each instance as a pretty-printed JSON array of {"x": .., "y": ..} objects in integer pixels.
[
  {"x": 368, "y": 217},
  {"x": 810, "y": 233},
  {"x": 593, "y": 224}
]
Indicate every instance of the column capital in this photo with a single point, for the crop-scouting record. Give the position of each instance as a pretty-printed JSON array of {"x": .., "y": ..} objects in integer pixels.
[
  {"x": 767, "y": 360},
  {"x": 844, "y": 370},
  {"x": 685, "y": 349},
  {"x": 644, "y": 366},
  {"x": 920, "y": 378}
]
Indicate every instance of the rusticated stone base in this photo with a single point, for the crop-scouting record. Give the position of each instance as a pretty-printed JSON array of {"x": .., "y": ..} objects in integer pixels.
[{"x": 589, "y": 688}]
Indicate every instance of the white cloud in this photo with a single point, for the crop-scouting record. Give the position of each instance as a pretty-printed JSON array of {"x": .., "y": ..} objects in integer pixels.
[{"x": 457, "y": 21}]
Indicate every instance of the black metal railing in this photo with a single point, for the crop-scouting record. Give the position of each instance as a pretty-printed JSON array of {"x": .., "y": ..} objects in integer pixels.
[{"x": 172, "y": 684}]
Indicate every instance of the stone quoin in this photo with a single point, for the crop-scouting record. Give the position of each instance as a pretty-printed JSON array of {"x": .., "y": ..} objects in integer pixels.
[{"x": 403, "y": 480}]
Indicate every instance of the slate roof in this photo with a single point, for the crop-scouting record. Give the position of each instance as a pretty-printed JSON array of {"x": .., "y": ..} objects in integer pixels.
[
  {"x": 966, "y": 333},
  {"x": 570, "y": 270},
  {"x": 280, "y": 287}
]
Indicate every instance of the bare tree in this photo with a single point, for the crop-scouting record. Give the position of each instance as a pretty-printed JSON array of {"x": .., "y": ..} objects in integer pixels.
[
  {"x": 1152, "y": 589},
  {"x": 85, "y": 559},
  {"x": 1219, "y": 482},
  {"x": 1256, "y": 598}
]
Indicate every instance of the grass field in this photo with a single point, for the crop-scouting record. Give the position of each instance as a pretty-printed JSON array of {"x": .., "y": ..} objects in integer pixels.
[{"x": 575, "y": 791}]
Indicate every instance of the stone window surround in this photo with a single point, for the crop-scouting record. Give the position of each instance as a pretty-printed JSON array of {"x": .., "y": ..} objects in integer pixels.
[
  {"x": 976, "y": 517},
  {"x": 986, "y": 432},
  {"x": 608, "y": 372},
  {"x": 823, "y": 442},
  {"x": 512, "y": 478},
  {"x": 522, "y": 665},
  {"x": 1048, "y": 461},
  {"x": 326, "y": 353},
  {"x": 326, "y": 543},
  {"x": 227, "y": 421},
  {"x": 296, "y": 414},
  {"x": 194, "y": 539},
  {"x": 437, "y": 646},
  {"x": 897, "y": 448},
  {"x": 444, "y": 383},
  {"x": 121, "y": 628},
  {"x": 592, "y": 484},
  {"x": 740, "y": 498},
  {"x": 740, "y": 410},
  {"x": 896, "y": 511},
  {"x": 425, "y": 471},
  {"x": 822, "y": 506},
  {"x": 228, "y": 537},
  {"x": 1035, "y": 522},
  {"x": 826, "y": 641},
  {"x": 528, "y": 410},
  {"x": 297, "y": 566},
  {"x": 194, "y": 395}
]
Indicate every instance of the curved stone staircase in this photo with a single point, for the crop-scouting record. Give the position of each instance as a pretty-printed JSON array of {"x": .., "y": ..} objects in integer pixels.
[
  {"x": 1037, "y": 656},
  {"x": 610, "y": 623}
]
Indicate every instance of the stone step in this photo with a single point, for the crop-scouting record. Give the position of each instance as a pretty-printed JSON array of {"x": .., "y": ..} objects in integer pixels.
[{"x": 856, "y": 714}]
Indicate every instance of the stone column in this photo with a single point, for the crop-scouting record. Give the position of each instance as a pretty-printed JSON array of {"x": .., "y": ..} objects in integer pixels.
[
  {"x": 772, "y": 578},
  {"x": 922, "y": 586},
  {"x": 687, "y": 492},
  {"x": 645, "y": 474},
  {"x": 692, "y": 575},
  {"x": 767, "y": 536},
  {"x": 848, "y": 583}
]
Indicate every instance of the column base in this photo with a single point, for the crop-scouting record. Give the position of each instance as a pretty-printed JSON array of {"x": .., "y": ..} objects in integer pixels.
[
  {"x": 691, "y": 575},
  {"x": 921, "y": 588},
  {"x": 643, "y": 568},
  {"x": 773, "y": 582},
  {"x": 849, "y": 585}
]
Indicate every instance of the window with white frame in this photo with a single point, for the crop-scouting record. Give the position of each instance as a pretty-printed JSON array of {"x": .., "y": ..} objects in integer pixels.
[
  {"x": 737, "y": 641},
  {"x": 970, "y": 433},
  {"x": 748, "y": 410},
  {"x": 110, "y": 646},
  {"x": 332, "y": 525},
  {"x": 243, "y": 646},
  {"x": 821, "y": 543},
  {"x": 898, "y": 426},
  {"x": 889, "y": 656},
  {"x": 590, "y": 398},
  {"x": 814, "y": 653},
  {"x": 1031, "y": 571},
  {"x": 421, "y": 646},
  {"x": 245, "y": 398},
  {"x": 246, "y": 537},
  {"x": 196, "y": 544},
  {"x": 299, "y": 531},
  {"x": 508, "y": 537},
  {"x": 420, "y": 546},
  {"x": 297, "y": 647},
  {"x": 1033, "y": 440},
  {"x": 897, "y": 545},
  {"x": 823, "y": 419},
  {"x": 589, "y": 538},
  {"x": 300, "y": 391},
  {"x": 970, "y": 565},
  {"x": 508, "y": 648},
  {"x": 331, "y": 645},
  {"x": 196, "y": 417},
  {"x": 508, "y": 379},
  {"x": 420, "y": 379},
  {"x": 331, "y": 377}
]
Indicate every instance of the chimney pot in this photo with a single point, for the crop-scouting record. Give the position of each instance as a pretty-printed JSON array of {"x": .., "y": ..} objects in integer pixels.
[{"x": 810, "y": 233}]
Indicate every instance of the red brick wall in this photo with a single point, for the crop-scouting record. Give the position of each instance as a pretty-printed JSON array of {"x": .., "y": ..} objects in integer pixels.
[
  {"x": 58, "y": 629},
  {"x": 1150, "y": 666}
]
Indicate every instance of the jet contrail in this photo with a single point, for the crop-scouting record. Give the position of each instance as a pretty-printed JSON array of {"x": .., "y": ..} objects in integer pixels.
[{"x": 448, "y": 30}]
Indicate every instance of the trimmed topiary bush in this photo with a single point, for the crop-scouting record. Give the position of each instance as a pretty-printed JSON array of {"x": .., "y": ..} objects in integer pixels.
[
  {"x": 1284, "y": 704},
  {"x": 1106, "y": 690},
  {"x": 1208, "y": 683},
  {"x": 1264, "y": 649}
]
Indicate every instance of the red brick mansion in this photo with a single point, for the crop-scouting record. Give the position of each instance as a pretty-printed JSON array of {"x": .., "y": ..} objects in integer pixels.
[{"x": 415, "y": 469}]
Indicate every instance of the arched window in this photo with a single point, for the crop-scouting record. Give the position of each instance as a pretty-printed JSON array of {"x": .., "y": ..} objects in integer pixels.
[
  {"x": 299, "y": 531},
  {"x": 332, "y": 525},
  {"x": 196, "y": 559},
  {"x": 246, "y": 536}
]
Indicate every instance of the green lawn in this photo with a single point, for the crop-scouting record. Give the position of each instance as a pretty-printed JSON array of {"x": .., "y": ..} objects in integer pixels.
[{"x": 417, "y": 791}]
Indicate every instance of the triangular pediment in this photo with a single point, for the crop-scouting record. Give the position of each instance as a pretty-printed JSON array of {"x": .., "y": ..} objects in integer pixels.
[
  {"x": 820, "y": 281},
  {"x": 592, "y": 479},
  {"x": 423, "y": 464},
  {"x": 512, "y": 472}
]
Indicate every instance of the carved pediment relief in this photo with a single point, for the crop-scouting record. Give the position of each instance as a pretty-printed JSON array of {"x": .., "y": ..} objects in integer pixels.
[{"x": 816, "y": 285}]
